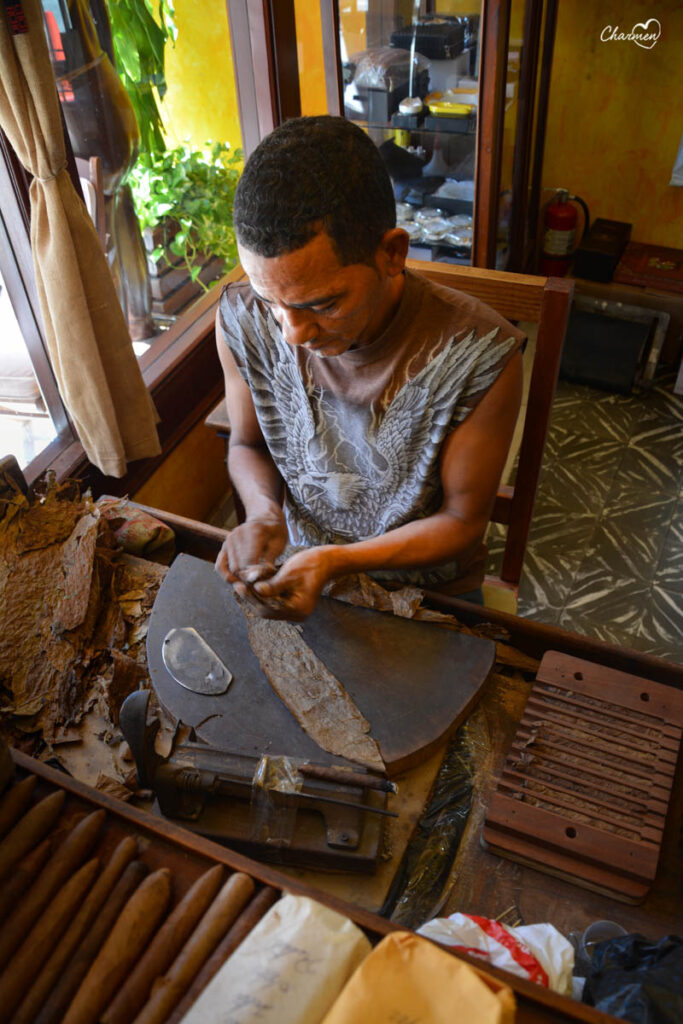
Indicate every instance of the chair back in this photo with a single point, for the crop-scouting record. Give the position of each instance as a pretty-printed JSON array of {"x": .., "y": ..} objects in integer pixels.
[{"x": 547, "y": 302}]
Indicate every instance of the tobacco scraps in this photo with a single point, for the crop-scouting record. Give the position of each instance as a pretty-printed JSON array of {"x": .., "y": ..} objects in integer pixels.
[{"x": 73, "y": 621}]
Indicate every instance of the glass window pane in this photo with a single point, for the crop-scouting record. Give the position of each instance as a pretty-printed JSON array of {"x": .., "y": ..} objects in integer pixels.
[
  {"x": 167, "y": 138},
  {"x": 25, "y": 424},
  {"x": 411, "y": 80}
]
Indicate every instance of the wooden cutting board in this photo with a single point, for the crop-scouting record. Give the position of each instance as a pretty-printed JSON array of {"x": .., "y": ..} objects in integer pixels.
[{"x": 413, "y": 681}]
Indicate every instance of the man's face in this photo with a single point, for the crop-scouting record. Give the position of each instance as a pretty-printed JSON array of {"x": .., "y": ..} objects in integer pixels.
[{"x": 320, "y": 304}]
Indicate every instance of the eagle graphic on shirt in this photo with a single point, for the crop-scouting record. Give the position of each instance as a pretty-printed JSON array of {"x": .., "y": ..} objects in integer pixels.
[{"x": 355, "y": 472}]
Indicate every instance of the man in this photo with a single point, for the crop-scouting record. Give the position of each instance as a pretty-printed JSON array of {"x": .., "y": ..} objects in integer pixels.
[{"x": 379, "y": 407}]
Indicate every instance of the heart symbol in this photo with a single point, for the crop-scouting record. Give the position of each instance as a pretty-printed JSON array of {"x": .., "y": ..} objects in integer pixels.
[{"x": 651, "y": 43}]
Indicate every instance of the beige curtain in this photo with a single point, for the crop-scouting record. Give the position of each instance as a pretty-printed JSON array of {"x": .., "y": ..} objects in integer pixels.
[{"x": 88, "y": 340}]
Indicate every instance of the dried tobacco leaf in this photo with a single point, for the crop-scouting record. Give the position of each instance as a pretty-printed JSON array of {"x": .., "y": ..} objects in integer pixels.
[
  {"x": 62, "y": 630},
  {"x": 315, "y": 697}
]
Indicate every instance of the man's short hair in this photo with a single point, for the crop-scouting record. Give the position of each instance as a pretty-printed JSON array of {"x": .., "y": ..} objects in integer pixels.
[{"x": 312, "y": 170}]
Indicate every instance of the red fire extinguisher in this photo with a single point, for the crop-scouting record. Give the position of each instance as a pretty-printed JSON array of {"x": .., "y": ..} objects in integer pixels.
[{"x": 559, "y": 232}]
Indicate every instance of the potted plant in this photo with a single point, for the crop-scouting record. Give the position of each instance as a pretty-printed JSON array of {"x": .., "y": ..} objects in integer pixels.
[
  {"x": 184, "y": 199},
  {"x": 183, "y": 196}
]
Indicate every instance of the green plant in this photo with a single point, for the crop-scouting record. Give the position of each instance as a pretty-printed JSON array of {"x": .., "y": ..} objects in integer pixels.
[
  {"x": 139, "y": 42},
  {"x": 196, "y": 188}
]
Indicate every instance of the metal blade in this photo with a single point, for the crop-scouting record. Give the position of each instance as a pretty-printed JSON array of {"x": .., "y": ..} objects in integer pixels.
[{"x": 193, "y": 664}]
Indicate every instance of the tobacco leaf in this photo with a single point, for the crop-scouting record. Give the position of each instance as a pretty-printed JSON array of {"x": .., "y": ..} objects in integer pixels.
[
  {"x": 78, "y": 556},
  {"x": 48, "y": 523},
  {"x": 112, "y": 787},
  {"x": 315, "y": 697},
  {"x": 68, "y": 657}
]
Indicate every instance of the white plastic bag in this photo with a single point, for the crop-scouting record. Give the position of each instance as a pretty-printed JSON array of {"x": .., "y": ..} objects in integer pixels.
[{"x": 537, "y": 952}]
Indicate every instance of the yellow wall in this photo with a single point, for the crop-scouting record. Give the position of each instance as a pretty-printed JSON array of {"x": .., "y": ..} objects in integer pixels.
[
  {"x": 616, "y": 116},
  {"x": 201, "y": 101},
  {"x": 192, "y": 480},
  {"x": 310, "y": 57}
]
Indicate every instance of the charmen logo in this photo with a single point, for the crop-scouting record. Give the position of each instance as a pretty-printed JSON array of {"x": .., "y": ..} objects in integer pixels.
[{"x": 645, "y": 35}]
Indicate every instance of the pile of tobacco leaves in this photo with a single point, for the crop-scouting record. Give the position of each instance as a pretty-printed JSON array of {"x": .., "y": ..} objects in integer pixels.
[{"x": 74, "y": 611}]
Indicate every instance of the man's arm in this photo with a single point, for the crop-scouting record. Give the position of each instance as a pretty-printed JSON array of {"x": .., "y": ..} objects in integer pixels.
[
  {"x": 471, "y": 462},
  {"x": 263, "y": 535}
]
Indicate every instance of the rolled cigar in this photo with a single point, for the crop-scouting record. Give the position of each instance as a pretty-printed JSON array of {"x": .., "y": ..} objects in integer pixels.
[
  {"x": 14, "y": 802},
  {"x": 247, "y": 920},
  {"x": 23, "y": 876},
  {"x": 30, "y": 830},
  {"x": 51, "y": 971},
  {"x": 68, "y": 856},
  {"x": 79, "y": 964},
  {"x": 163, "y": 949},
  {"x": 35, "y": 949},
  {"x": 129, "y": 936},
  {"x": 169, "y": 989}
]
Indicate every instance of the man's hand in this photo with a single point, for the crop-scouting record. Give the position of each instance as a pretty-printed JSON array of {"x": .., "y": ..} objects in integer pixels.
[
  {"x": 258, "y": 542},
  {"x": 296, "y": 586}
]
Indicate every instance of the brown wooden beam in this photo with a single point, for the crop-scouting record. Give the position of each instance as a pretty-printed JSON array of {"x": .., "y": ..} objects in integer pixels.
[
  {"x": 541, "y": 123},
  {"x": 282, "y": 28},
  {"x": 524, "y": 130},
  {"x": 492, "y": 73}
]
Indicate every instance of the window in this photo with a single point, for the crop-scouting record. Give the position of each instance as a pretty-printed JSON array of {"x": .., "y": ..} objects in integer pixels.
[
  {"x": 203, "y": 101},
  {"x": 33, "y": 422}
]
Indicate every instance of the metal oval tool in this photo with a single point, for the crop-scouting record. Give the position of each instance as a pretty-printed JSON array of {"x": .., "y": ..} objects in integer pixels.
[{"x": 193, "y": 664}]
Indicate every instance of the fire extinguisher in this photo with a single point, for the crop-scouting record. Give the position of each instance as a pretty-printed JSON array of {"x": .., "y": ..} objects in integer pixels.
[{"x": 559, "y": 232}]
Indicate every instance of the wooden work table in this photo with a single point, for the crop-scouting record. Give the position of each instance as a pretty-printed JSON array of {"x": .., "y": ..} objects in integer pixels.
[{"x": 484, "y": 883}]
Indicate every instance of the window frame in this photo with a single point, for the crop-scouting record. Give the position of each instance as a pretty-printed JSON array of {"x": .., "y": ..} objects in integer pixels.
[{"x": 181, "y": 367}]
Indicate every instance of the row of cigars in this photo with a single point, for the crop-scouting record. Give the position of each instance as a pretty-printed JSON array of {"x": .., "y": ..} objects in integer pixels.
[
  {"x": 109, "y": 913},
  {"x": 85, "y": 939}
]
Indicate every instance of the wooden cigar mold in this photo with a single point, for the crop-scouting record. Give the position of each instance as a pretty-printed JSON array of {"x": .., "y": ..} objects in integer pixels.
[
  {"x": 586, "y": 786},
  {"x": 328, "y": 822}
]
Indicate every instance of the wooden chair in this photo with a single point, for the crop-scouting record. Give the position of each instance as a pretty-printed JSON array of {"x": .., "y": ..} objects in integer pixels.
[{"x": 545, "y": 301}]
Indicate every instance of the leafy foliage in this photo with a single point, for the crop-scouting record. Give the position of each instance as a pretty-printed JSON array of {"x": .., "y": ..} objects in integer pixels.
[
  {"x": 139, "y": 43},
  {"x": 196, "y": 188}
]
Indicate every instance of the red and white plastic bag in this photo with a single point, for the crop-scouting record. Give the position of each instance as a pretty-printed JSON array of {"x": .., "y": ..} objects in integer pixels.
[{"x": 537, "y": 952}]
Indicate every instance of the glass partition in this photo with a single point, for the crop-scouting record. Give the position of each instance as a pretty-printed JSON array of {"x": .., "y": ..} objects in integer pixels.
[{"x": 411, "y": 80}]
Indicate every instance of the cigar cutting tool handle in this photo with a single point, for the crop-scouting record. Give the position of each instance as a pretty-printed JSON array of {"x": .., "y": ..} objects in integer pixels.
[{"x": 140, "y": 736}]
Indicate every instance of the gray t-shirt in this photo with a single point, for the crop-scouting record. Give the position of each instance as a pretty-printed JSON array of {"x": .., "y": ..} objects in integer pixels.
[{"x": 356, "y": 437}]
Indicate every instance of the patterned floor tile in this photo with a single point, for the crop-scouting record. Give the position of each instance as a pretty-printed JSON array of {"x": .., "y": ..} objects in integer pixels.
[
  {"x": 632, "y": 531},
  {"x": 663, "y": 439},
  {"x": 587, "y": 454},
  {"x": 584, "y": 410},
  {"x": 567, "y": 486},
  {"x": 662, "y": 617},
  {"x": 556, "y": 525},
  {"x": 495, "y": 542},
  {"x": 669, "y": 572},
  {"x": 613, "y": 635},
  {"x": 549, "y": 616},
  {"x": 659, "y": 649},
  {"x": 606, "y": 631},
  {"x": 659, "y": 468},
  {"x": 546, "y": 581},
  {"x": 599, "y": 601},
  {"x": 661, "y": 400}
]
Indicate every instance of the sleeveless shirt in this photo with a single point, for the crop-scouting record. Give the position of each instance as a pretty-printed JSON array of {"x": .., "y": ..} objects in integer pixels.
[{"x": 357, "y": 437}]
